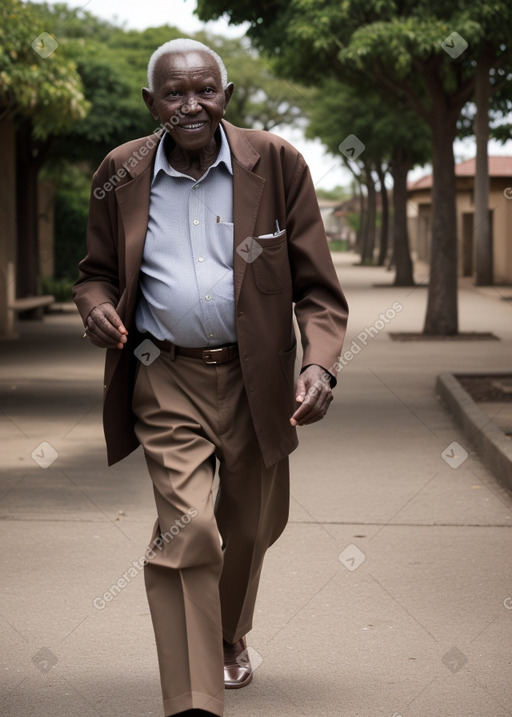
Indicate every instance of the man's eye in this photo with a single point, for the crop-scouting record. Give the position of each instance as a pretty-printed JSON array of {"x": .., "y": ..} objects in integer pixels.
[
  {"x": 173, "y": 93},
  {"x": 208, "y": 91}
]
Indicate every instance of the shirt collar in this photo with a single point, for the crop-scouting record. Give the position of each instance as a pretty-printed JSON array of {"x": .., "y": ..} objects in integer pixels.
[{"x": 162, "y": 164}]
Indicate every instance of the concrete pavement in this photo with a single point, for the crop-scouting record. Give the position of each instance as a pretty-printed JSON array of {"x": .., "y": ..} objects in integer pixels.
[{"x": 390, "y": 592}]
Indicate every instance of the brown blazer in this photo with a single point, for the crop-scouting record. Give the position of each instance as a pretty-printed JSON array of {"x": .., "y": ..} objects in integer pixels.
[{"x": 270, "y": 182}]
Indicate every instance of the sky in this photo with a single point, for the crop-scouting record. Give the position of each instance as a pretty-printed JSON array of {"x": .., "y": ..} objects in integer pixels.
[{"x": 327, "y": 171}]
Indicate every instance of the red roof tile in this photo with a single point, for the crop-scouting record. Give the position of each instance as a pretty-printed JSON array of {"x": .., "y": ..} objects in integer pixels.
[{"x": 498, "y": 167}]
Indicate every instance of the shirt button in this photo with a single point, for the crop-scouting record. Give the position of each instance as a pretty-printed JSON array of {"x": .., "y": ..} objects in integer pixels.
[
  {"x": 208, "y": 297},
  {"x": 196, "y": 222},
  {"x": 211, "y": 335},
  {"x": 201, "y": 258}
]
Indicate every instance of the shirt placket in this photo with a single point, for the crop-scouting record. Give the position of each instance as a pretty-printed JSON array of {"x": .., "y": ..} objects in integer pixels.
[{"x": 198, "y": 219}]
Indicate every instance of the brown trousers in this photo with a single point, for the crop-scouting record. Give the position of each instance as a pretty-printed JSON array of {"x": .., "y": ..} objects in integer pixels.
[{"x": 205, "y": 556}]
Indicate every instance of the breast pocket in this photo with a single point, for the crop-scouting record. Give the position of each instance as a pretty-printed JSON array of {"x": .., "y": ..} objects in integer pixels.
[{"x": 272, "y": 268}]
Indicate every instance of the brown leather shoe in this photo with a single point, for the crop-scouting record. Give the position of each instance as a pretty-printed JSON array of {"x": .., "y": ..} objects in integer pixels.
[{"x": 237, "y": 666}]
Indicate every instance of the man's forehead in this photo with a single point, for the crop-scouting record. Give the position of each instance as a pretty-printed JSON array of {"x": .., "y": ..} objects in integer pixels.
[{"x": 192, "y": 62}]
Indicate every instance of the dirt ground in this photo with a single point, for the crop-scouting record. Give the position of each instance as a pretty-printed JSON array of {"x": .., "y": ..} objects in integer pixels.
[{"x": 488, "y": 388}]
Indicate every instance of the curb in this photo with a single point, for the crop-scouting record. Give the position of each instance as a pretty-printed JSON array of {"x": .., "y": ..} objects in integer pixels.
[{"x": 493, "y": 447}]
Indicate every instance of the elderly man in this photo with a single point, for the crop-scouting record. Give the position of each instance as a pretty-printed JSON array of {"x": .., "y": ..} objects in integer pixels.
[{"x": 202, "y": 240}]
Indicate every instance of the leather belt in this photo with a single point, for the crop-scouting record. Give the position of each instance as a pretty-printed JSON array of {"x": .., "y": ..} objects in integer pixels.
[{"x": 213, "y": 355}]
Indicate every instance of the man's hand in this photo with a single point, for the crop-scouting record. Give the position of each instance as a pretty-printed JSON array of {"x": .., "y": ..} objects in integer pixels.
[
  {"x": 104, "y": 328},
  {"x": 314, "y": 394}
]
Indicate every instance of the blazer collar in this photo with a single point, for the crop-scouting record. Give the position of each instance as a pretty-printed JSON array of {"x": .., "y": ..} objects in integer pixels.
[
  {"x": 243, "y": 152},
  {"x": 133, "y": 199}
]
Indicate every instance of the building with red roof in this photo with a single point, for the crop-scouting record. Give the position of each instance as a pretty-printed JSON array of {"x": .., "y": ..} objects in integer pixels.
[{"x": 500, "y": 216}]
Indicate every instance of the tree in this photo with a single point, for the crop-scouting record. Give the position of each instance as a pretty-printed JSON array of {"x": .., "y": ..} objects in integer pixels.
[
  {"x": 112, "y": 63},
  {"x": 261, "y": 99},
  {"x": 414, "y": 52},
  {"x": 394, "y": 140},
  {"x": 43, "y": 94},
  {"x": 492, "y": 74}
]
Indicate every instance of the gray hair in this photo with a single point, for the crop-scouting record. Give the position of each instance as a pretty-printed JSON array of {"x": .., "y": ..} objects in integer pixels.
[{"x": 183, "y": 44}]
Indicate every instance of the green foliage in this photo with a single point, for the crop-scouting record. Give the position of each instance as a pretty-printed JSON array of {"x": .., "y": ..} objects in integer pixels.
[
  {"x": 336, "y": 194},
  {"x": 112, "y": 63},
  {"x": 397, "y": 44},
  {"x": 338, "y": 245},
  {"x": 62, "y": 21},
  {"x": 46, "y": 91},
  {"x": 61, "y": 289},
  {"x": 109, "y": 64},
  {"x": 261, "y": 100},
  {"x": 387, "y": 128},
  {"x": 71, "y": 210}
]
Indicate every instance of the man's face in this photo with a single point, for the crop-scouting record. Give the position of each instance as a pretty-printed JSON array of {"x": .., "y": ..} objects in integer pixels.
[{"x": 188, "y": 96}]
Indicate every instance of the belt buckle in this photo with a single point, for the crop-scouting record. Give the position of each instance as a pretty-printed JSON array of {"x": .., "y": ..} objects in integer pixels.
[{"x": 207, "y": 358}]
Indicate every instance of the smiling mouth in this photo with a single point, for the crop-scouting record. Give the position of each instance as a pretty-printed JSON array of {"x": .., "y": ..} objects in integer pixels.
[{"x": 193, "y": 126}]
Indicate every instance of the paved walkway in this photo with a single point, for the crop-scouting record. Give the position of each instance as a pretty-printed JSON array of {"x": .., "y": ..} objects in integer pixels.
[{"x": 390, "y": 592}]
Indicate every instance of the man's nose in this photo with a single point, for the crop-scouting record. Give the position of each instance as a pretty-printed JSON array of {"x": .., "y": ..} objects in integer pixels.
[{"x": 192, "y": 106}]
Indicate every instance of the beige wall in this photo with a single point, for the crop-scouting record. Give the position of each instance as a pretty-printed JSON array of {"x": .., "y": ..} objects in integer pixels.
[
  {"x": 502, "y": 220},
  {"x": 45, "y": 205},
  {"x": 7, "y": 225},
  {"x": 419, "y": 209}
]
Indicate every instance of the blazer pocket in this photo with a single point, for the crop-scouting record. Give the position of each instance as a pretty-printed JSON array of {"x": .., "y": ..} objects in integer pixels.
[{"x": 272, "y": 268}]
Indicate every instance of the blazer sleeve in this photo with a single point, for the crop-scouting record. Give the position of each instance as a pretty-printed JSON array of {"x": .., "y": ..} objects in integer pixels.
[
  {"x": 320, "y": 305},
  {"x": 98, "y": 272}
]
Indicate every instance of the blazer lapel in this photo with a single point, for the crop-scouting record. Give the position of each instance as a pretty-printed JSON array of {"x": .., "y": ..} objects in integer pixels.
[
  {"x": 133, "y": 202},
  {"x": 247, "y": 194}
]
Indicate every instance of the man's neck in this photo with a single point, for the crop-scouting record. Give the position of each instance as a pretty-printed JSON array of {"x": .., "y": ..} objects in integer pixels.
[{"x": 194, "y": 164}]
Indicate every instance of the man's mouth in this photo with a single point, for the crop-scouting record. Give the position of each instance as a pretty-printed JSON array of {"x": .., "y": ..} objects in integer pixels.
[{"x": 193, "y": 126}]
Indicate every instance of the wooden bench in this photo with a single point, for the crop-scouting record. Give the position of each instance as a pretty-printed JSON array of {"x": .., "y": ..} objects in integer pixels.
[
  {"x": 31, "y": 302},
  {"x": 10, "y": 305}
]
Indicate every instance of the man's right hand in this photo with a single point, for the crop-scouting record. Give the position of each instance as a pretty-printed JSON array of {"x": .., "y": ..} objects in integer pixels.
[{"x": 104, "y": 328}]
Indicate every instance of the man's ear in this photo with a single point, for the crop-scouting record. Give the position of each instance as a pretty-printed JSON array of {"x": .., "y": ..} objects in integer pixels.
[
  {"x": 228, "y": 92},
  {"x": 147, "y": 96}
]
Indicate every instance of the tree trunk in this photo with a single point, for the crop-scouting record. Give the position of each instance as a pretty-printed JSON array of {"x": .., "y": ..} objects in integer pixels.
[
  {"x": 384, "y": 226},
  {"x": 442, "y": 314},
  {"x": 401, "y": 249},
  {"x": 361, "y": 232},
  {"x": 369, "y": 243},
  {"x": 27, "y": 280},
  {"x": 482, "y": 228},
  {"x": 30, "y": 156}
]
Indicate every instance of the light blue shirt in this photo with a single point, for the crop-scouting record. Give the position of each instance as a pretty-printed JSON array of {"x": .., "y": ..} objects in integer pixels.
[{"x": 186, "y": 277}]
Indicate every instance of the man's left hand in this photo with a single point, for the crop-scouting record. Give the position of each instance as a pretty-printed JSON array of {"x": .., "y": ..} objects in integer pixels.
[{"x": 314, "y": 395}]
